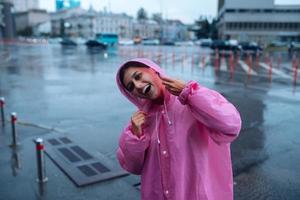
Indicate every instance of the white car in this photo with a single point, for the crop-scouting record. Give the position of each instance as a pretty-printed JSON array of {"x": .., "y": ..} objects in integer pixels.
[{"x": 126, "y": 42}]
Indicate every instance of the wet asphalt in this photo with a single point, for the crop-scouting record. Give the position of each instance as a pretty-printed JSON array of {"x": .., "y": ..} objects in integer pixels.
[{"x": 72, "y": 92}]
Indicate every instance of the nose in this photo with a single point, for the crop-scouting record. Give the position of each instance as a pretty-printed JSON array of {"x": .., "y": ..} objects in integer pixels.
[{"x": 138, "y": 84}]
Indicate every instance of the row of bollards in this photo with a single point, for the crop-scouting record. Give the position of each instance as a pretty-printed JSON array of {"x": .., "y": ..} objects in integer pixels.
[{"x": 41, "y": 170}]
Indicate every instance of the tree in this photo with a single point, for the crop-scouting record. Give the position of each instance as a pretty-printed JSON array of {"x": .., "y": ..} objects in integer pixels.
[
  {"x": 206, "y": 29},
  {"x": 157, "y": 17},
  {"x": 214, "y": 30},
  {"x": 142, "y": 14}
]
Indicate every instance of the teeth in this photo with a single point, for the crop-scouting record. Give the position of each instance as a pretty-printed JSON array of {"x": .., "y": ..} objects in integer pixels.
[{"x": 145, "y": 89}]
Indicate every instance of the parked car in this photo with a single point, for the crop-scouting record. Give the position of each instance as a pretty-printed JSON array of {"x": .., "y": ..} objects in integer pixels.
[
  {"x": 251, "y": 47},
  {"x": 204, "y": 42},
  {"x": 126, "y": 42},
  {"x": 184, "y": 43},
  {"x": 295, "y": 45},
  {"x": 278, "y": 44},
  {"x": 137, "y": 40},
  {"x": 168, "y": 43},
  {"x": 226, "y": 45},
  {"x": 68, "y": 42},
  {"x": 148, "y": 41},
  {"x": 95, "y": 44}
]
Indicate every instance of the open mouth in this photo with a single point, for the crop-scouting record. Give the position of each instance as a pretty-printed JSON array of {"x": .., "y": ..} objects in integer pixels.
[{"x": 146, "y": 89}]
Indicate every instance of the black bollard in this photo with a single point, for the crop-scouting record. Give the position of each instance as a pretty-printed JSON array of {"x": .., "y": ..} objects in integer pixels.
[
  {"x": 41, "y": 170},
  {"x": 13, "y": 117}
]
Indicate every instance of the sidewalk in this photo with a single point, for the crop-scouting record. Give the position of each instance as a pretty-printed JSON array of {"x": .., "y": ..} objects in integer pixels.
[{"x": 18, "y": 173}]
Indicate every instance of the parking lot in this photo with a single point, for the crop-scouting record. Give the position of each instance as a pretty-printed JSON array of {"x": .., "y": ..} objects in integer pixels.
[{"x": 71, "y": 92}]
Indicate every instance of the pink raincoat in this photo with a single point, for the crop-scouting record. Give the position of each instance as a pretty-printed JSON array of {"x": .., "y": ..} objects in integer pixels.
[{"x": 184, "y": 153}]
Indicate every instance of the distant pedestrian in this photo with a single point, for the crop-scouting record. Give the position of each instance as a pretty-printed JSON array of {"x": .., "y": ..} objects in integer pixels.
[{"x": 179, "y": 139}]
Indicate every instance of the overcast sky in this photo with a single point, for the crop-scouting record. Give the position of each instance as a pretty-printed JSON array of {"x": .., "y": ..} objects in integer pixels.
[{"x": 185, "y": 10}]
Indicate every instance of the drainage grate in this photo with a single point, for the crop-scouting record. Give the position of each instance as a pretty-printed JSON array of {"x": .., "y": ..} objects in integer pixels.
[
  {"x": 54, "y": 142},
  {"x": 82, "y": 153},
  {"x": 100, "y": 168},
  {"x": 69, "y": 154},
  {"x": 65, "y": 140},
  {"x": 87, "y": 170},
  {"x": 80, "y": 166}
]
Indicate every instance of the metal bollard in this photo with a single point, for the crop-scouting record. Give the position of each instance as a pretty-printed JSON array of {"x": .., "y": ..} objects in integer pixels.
[
  {"x": 13, "y": 118},
  {"x": 2, "y": 103},
  {"x": 41, "y": 170}
]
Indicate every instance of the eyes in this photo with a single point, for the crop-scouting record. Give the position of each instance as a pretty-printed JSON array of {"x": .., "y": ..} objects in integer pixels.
[{"x": 136, "y": 76}]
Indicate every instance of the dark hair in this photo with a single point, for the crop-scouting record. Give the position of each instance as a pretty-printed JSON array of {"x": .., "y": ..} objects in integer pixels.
[{"x": 126, "y": 66}]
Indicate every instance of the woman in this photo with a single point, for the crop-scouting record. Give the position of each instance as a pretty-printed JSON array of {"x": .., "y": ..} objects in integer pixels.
[{"x": 179, "y": 139}]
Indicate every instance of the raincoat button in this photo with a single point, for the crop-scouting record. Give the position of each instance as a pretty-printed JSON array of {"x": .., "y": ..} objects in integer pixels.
[
  {"x": 162, "y": 112},
  {"x": 166, "y": 192},
  {"x": 164, "y": 152}
]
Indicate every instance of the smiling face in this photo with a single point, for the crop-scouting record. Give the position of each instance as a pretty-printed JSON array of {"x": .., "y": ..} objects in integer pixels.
[{"x": 144, "y": 83}]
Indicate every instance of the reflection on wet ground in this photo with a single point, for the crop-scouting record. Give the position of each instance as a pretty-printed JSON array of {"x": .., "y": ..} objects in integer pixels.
[{"x": 73, "y": 91}]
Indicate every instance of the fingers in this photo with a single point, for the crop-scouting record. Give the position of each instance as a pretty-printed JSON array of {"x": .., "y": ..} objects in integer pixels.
[
  {"x": 137, "y": 120},
  {"x": 174, "y": 86},
  {"x": 138, "y": 117}
]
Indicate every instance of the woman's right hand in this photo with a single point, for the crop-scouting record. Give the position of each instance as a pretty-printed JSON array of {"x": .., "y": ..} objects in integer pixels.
[{"x": 137, "y": 120}]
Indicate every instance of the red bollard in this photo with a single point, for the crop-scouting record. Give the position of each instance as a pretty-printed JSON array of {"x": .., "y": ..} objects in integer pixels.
[
  {"x": 193, "y": 61},
  {"x": 40, "y": 160},
  {"x": 173, "y": 57},
  {"x": 257, "y": 60},
  {"x": 295, "y": 67},
  {"x": 203, "y": 61},
  {"x": 231, "y": 65},
  {"x": 166, "y": 58},
  {"x": 279, "y": 61},
  {"x": 2, "y": 103},
  {"x": 217, "y": 60},
  {"x": 223, "y": 55},
  {"x": 270, "y": 70},
  {"x": 249, "y": 62}
]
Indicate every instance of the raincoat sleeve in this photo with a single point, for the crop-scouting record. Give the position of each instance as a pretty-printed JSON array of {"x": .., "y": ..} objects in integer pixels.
[
  {"x": 131, "y": 151},
  {"x": 213, "y": 110}
]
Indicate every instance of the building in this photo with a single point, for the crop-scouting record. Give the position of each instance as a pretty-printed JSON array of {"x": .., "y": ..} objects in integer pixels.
[
  {"x": 25, "y": 5},
  {"x": 73, "y": 22},
  {"x": 174, "y": 30},
  {"x": 67, "y": 4},
  {"x": 7, "y": 23},
  {"x": 77, "y": 22},
  {"x": 258, "y": 20},
  {"x": 146, "y": 29},
  {"x": 26, "y": 20},
  {"x": 115, "y": 23}
]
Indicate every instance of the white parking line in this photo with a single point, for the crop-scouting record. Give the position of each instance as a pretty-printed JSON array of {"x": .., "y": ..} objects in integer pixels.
[
  {"x": 275, "y": 71},
  {"x": 246, "y": 68},
  {"x": 223, "y": 66}
]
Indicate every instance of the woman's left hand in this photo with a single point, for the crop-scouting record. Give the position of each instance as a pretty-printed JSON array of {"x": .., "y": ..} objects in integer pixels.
[{"x": 174, "y": 86}]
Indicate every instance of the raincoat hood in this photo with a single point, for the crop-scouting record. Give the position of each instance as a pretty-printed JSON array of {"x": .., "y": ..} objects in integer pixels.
[{"x": 142, "y": 104}]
